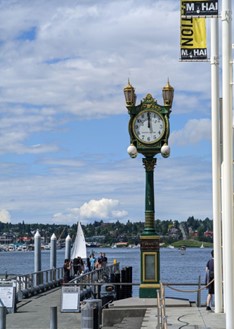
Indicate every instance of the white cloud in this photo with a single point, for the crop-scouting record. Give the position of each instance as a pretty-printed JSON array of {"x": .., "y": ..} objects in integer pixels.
[
  {"x": 193, "y": 132},
  {"x": 5, "y": 216},
  {"x": 102, "y": 209},
  {"x": 64, "y": 126}
]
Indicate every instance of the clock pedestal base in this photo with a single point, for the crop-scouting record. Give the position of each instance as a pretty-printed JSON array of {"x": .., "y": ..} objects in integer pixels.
[
  {"x": 148, "y": 290},
  {"x": 150, "y": 271}
]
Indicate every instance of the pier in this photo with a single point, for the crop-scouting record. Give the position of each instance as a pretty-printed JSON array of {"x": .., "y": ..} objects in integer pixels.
[
  {"x": 36, "y": 312},
  {"x": 41, "y": 306},
  {"x": 39, "y": 303},
  {"x": 40, "y": 295},
  {"x": 39, "y": 299},
  {"x": 31, "y": 284}
]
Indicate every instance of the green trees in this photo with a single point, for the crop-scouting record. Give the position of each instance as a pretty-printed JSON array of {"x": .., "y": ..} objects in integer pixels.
[{"x": 109, "y": 233}]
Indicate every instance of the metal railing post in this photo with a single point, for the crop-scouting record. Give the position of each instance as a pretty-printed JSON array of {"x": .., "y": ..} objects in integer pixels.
[
  {"x": 159, "y": 306},
  {"x": 2, "y": 317},
  {"x": 53, "y": 317},
  {"x": 199, "y": 292}
]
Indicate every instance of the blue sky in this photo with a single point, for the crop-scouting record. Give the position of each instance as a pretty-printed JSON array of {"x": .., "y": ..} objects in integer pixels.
[{"x": 63, "y": 121}]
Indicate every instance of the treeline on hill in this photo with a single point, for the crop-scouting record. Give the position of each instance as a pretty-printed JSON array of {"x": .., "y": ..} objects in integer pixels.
[{"x": 109, "y": 233}]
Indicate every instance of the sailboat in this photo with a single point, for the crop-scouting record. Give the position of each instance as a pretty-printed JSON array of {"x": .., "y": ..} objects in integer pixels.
[{"x": 79, "y": 246}]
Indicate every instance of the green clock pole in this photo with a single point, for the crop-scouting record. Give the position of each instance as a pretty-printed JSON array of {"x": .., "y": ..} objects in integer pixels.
[
  {"x": 149, "y": 164},
  {"x": 149, "y": 132},
  {"x": 150, "y": 252}
]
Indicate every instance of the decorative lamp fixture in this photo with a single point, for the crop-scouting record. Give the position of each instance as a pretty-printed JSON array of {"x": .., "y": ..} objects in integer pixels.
[
  {"x": 165, "y": 151},
  {"x": 168, "y": 94},
  {"x": 132, "y": 151},
  {"x": 130, "y": 96}
]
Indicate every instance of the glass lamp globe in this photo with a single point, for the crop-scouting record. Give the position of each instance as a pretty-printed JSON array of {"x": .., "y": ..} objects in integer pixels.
[
  {"x": 165, "y": 151},
  {"x": 132, "y": 151}
]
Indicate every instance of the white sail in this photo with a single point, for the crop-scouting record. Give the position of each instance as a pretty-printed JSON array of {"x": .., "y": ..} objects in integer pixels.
[{"x": 79, "y": 246}]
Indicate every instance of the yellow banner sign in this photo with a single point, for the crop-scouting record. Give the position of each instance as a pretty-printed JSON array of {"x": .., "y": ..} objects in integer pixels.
[{"x": 192, "y": 38}]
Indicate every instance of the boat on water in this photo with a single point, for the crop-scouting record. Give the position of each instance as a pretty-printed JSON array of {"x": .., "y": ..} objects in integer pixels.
[
  {"x": 134, "y": 246},
  {"x": 79, "y": 245},
  {"x": 182, "y": 250},
  {"x": 93, "y": 244},
  {"x": 120, "y": 245},
  {"x": 170, "y": 246},
  {"x": 202, "y": 246}
]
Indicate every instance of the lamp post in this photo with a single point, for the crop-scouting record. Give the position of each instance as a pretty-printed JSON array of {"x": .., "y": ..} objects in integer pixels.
[{"x": 149, "y": 130}]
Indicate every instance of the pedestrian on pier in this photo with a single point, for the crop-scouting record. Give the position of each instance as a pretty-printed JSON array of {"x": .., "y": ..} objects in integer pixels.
[
  {"x": 75, "y": 265},
  {"x": 80, "y": 265},
  {"x": 98, "y": 264},
  {"x": 92, "y": 261},
  {"x": 88, "y": 264},
  {"x": 210, "y": 281},
  {"x": 66, "y": 270},
  {"x": 104, "y": 260},
  {"x": 100, "y": 258}
]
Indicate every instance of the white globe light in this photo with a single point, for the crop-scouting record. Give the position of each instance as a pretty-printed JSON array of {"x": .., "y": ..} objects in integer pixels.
[
  {"x": 165, "y": 151},
  {"x": 133, "y": 156},
  {"x": 132, "y": 151}
]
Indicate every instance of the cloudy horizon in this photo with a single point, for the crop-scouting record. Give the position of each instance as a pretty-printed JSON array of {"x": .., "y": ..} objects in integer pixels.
[{"x": 64, "y": 124}]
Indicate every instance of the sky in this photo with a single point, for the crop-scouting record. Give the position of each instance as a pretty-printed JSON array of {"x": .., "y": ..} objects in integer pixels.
[{"x": 64, "y": 124}]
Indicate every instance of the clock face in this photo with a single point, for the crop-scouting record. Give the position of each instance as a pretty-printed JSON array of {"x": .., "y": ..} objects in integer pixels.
[{"x": 148, "y": 126}]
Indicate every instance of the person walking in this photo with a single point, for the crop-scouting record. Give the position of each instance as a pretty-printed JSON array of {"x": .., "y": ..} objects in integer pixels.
[
  {"x": 104, "y": 260},
  {"x": 92, "y": 261},
  {"x": 80, "y": 265},
  {"x": 210, "y": 281},
  {"x": 88, "y": 264},
  {"x": 66, "y": 271},
  {"x": 75, "y": 265}
]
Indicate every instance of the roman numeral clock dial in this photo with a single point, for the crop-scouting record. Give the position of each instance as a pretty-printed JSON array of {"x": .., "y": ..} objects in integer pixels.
[{"x": 148, "y": 126}]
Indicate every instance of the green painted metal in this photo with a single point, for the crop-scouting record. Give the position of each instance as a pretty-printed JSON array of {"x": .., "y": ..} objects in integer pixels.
[
  {"x": 149, "y": 103},
  {"x": 148, "y": 288},
  {"x": 149, "y": 164},
  {"x": 148, "y": 292}
]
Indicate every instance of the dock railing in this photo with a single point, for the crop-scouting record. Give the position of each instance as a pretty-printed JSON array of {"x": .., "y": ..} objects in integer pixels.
[
  {"x": 185, "y": 288},
  {"x": 37, "y": 282},
  {"x": 97, "y": 274},
  {"x": 162, "y": 318},
  {"x": 161, "y": 306},
  {"x": 94, "y": 279}
]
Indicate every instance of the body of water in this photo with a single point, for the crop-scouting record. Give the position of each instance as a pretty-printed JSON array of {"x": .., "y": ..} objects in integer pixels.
[{"x": 174, "y": 266}]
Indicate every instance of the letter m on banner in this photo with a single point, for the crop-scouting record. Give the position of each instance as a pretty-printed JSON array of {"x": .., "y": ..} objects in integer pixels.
[{"x": 192, "y": 37}]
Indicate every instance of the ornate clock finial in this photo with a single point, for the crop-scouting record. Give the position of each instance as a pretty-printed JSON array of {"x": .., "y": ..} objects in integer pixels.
[
  {"x": 168, "y": 94},
  {"x": 129, "y": 93}
]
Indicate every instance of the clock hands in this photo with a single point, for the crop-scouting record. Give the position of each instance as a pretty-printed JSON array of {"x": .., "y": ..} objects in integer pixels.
[
  {"x": 148, "y": 116},
  {"x": 149, "y": 122},
  {"x": 148, "y": 126}
]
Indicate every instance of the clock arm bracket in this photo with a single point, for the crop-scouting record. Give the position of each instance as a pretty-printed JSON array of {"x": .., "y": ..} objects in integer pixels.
[{"x": 166, "y": 137}]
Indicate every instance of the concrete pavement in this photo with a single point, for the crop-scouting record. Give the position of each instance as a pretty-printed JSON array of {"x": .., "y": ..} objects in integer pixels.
[
  {"x": 35, "y": 313},
  {"x": 186, "y": 318},
  {"x": 179, "y": 314},
  {"x": 130, "y": 313}
]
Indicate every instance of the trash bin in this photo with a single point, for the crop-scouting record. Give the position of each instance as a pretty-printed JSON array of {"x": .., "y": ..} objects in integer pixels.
[
  {"x": 107, "y": 293},
  {"x": 91, "y": 314},
  {"x": 86, "y": 317}
]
